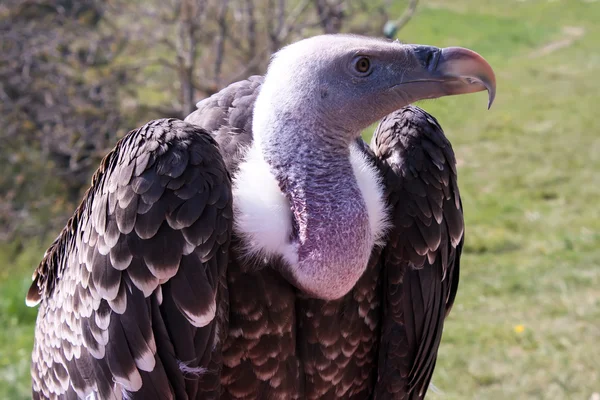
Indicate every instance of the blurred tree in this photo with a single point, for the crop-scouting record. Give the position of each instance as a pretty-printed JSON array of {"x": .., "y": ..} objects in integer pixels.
[
  {"x": 203, "y": 45},
  {"x": 75, "y": 74},
  {"x": 59, "y": 105}
]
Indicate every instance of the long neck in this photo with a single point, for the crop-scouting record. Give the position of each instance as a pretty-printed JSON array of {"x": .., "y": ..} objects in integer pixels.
[{"x": 331, "y": 223}]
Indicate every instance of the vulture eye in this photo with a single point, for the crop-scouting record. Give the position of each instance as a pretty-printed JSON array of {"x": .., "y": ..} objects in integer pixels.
[{"x": 362, "y": 65}]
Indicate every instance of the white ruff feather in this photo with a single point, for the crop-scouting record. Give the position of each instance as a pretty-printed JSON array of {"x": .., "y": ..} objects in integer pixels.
[
  {"x": 262, "y": 212},
  {"x": 193, "y": 371},
  {"x": 371, "y": 187}
]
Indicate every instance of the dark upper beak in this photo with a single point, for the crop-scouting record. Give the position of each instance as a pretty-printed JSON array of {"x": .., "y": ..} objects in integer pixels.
[{"x": 445, "y": 72}]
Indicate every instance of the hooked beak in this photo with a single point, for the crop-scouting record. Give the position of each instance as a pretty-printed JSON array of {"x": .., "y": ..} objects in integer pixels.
[{"x": 446, "y": 72}]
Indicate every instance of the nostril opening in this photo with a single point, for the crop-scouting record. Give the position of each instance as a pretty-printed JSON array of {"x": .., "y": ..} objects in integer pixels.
[
  {"x": 428, "y": 56},
  {"x": 434, "y": 58},
  {"x": 428, "y": 60}
]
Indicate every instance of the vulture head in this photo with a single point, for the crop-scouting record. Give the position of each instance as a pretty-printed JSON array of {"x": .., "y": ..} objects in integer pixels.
[
  {"x": 349, "y": 82},
  {"x": 317, "y": 97}
]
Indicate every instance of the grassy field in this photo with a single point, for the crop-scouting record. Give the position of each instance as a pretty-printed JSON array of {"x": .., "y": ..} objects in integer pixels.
[{"x": 526, "y": 324}]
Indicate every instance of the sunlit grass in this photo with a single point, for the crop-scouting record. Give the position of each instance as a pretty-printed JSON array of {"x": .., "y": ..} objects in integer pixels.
[
  {"x": 16, "y": 319},
  {"x": 527, "y": 318},
  {"x": 526, "y": 324}
]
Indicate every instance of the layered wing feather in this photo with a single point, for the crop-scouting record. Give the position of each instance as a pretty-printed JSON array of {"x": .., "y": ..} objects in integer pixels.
[
  {"x": 132, "y": 292},
  {"x": 420, "y": 263},
  {"x": 227, "y": 115}
]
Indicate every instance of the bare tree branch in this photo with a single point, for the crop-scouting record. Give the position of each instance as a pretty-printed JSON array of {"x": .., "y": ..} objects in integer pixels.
[
  {"x": 250, "y": 15},
  {"x": 331, "y": 14},
  {"x": 392, "y": 27},
  {"x": 220, "y": 41}
]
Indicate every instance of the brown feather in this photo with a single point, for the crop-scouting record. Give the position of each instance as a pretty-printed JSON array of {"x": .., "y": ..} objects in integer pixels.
[
  {"x": 421, "y": 257},
  {"x": 119, "y": 236}
]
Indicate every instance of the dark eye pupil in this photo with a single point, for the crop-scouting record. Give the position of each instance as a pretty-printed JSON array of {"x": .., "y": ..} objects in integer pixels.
[{"x": 363, "y": 64}]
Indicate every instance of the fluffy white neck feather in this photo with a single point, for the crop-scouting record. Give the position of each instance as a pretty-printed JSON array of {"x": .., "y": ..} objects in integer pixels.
[
  {"x": 304, "y": 171},
  {"x": 262, "y": 212}
]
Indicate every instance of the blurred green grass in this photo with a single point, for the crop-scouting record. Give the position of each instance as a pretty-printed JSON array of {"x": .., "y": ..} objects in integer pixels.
[
  {"x": 526, "y": 323},
  {"x": 16, "y": 319}
]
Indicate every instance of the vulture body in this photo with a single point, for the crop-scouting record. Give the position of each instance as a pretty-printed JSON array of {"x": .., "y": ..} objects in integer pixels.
[{"x": 246, "y": 253}]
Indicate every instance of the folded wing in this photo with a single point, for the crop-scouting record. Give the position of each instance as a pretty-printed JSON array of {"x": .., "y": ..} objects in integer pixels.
[
  {"x": 132, "y": 292},
  {"x": 420, "y": 262}
]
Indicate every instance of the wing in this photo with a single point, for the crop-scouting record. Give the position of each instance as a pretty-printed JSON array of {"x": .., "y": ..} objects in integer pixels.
[
  {"x": 421, "y": 259},
  {"x": 227, "y": 115},
  {"x": 132, "y": 292}
]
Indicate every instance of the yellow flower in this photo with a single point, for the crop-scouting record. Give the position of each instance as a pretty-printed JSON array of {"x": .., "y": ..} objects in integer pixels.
[{"x": 519, "y": 328}]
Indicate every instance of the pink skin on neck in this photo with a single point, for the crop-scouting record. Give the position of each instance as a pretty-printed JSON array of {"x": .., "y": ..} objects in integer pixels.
[{"x": 331, "y": 222}]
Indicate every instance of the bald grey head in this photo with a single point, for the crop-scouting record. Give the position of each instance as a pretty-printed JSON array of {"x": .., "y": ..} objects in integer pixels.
[
  {"x": 318, "y": 95},
  {"x": 349, "y": 82}
]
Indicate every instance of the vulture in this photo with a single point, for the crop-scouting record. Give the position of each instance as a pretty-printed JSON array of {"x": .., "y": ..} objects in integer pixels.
[{"x": 260, "y": 249}]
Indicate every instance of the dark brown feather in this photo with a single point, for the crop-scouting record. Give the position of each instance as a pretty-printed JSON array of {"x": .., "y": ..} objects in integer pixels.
[
  {"x": 420, "y": 261},
  {"x": 228, "y": 116},
  {"x": 108, "y": 334}
]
